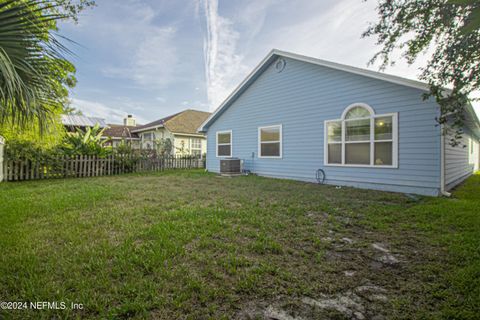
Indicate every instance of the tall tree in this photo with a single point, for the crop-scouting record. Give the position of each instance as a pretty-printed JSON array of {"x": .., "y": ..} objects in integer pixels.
[
  {"x": 34, "y": 73},
  {"x": 451, "y": 28}
]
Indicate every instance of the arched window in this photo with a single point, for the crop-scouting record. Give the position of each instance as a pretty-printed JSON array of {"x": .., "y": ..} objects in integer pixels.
[{"x": 362, "y": 138}]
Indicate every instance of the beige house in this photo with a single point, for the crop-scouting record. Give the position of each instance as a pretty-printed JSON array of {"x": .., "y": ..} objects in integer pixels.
[{"x": 180, "y": 129}]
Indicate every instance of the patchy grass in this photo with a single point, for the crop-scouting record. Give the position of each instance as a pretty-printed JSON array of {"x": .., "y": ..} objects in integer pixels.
[{"x": 191, "y": 245}]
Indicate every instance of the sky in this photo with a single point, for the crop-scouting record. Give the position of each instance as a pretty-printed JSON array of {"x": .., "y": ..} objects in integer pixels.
[{"x": 153, "y": 58}]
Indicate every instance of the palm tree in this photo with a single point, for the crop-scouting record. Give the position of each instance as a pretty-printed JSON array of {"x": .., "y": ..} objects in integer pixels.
[{"x": 31, "y": 59}]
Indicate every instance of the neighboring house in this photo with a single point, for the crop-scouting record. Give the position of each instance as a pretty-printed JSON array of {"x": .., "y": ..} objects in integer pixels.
[
  {"x": 116, "y": 132},
  {"x": 74, "y": 122},
  {"x": 180, "y": 128},
  {"x": 119, "y": 133},
  {"x": 123, "y": 133},
  {"x": 294, "y": 115}
]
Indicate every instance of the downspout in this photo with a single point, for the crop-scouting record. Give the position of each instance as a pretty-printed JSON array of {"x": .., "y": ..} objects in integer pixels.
[{"x": 443, "y": 192}]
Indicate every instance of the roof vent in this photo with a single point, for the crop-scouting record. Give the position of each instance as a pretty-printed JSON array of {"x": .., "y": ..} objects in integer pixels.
[{"x": 280, "y": 65}]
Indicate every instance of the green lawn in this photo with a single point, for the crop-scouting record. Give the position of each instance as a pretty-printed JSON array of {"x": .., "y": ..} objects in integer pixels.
[{"x": 191, "y": 245}]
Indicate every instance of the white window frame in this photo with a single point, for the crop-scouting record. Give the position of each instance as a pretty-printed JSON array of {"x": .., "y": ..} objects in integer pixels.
[
  {"x": 151, "y": 135},
  {"x": 372, "y": 140},
  {"x": 224, "y": 144},
  {"x": 192, "y": 144},
  {"x": 193, "y": 149},
  {"x": 279, "y": 126}
]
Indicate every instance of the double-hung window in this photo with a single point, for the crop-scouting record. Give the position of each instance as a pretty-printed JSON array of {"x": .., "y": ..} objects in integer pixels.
[
  {"x": 224, "y": 143},
  {"x": 361, "y": 138},
  {"x": 149, "y": 136},
  {"x": 270, "y": 142},
  {"x": 196, "y": 146}
]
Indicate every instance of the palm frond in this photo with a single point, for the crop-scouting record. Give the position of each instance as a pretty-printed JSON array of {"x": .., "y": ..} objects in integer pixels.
[{"x": 29, "y": 57}]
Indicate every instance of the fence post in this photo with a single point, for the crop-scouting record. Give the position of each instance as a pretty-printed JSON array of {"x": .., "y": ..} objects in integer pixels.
[{"x": 2, "y": 143}]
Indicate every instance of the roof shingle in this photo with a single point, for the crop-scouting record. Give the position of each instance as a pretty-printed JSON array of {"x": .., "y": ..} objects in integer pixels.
[
  {"x": 119, "y": 131},
  {"x": 186, "y": 121}
]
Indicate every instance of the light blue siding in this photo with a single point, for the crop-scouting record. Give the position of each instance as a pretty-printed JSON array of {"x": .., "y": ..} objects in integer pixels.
[
  {"x": 301, "y": 98},
  {"x": 457, "y": 163}
]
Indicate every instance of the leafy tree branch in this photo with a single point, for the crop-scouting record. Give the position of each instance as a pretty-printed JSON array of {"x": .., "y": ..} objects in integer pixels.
[{"x": 452, "y": 29}]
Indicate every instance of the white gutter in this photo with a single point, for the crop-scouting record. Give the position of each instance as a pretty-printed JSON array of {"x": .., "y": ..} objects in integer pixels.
[
  {"x": 188, "y": 134},
  {"x": 147, "y": 128},
  {"x": 443, "y": 192}
]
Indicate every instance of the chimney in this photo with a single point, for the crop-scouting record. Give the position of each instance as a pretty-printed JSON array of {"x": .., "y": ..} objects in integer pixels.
[{"x": 129, "y": 121}]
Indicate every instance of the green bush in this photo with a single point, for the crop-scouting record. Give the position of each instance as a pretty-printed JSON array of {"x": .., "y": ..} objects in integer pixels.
[{"x": 89, "y": 142}]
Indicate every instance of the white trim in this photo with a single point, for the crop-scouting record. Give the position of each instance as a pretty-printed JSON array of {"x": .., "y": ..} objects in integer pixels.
[
  {"x": 364, "y": 72},
  {"x": 259, "y": 142},
  {"x": 223, "y": 144},
  {"x": 191, "y": 140},
  {"x": 188, "y": 135},
  {"x": 237, "y": 89},
  {"x": 147, "y": 129},
  {"x": 325, "y": 141},
  {"x": 470, "y": 151},
  {"x": 372, "y": 140},
  {"x": 278, "y": 53},
  {"x": 442, "y": 162},
  {"x": 358, "y": 166},
  {"x": 120, "y": 138}
]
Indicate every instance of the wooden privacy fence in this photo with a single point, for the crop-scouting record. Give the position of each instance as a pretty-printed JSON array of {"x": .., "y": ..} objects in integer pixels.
[{"x": 92, "y": 166}]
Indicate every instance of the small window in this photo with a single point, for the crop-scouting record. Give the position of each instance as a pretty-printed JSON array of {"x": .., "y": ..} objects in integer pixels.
[
  {"x": 196, "y": 143},
  {"x": 224, "y": 144},
  {"x": 149, "y": 136},
  {"x": 270, "y": 142},
  {"x": 196, "y": 147}
]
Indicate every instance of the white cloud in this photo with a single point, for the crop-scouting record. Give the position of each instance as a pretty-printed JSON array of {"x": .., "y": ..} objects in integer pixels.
[
  {"x": 253, "y": 15},
  {"x": 154, "y": 61},
  {"x": 146, "y": 53},
  {"x": 331, "y": 32},
  {"x": 155, "y": 47},
  {"x": 100, "y": 110},
  {"x": 476, "y": 103},
  {"x": 335, "y": 35},
  {"x": 222, "y": 62}
]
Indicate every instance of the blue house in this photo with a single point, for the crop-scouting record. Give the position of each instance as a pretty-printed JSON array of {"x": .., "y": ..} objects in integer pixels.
[{"x": 294, "y": 115}]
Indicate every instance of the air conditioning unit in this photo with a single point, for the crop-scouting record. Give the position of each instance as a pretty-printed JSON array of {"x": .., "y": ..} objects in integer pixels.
[{"x": 230, "y": 166}]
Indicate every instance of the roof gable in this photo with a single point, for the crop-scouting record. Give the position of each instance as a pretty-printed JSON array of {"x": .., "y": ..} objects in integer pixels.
[
  {"x": 154, "y": 124},
  {"x": 274, "y": 54},
  {"x": 186, "y": 121},
  {"x": 119, "y": 131}
]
